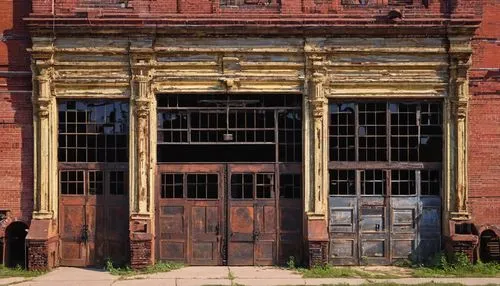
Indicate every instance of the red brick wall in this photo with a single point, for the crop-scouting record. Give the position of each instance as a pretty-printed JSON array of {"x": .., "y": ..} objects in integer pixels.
[
  {"x": 484, "y": 119},
  {"x": 197, "y": 7},
  {"x": 16, "y": 138}
]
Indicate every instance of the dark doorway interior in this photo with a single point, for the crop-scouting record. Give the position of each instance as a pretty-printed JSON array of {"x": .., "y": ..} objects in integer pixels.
[
  {"x": 15, "y": 237},
  {"x": 490, "y": 247},
  {"x": 1, "y": 250}
]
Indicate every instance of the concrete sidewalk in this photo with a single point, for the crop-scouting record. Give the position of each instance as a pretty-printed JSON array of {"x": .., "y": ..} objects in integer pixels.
[{"x": 220, "y": 275}]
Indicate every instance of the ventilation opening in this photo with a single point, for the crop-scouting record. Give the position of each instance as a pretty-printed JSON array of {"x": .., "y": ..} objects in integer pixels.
[
  {"x": 490, "y": 247},
  {"x": 15, "y": 238}
]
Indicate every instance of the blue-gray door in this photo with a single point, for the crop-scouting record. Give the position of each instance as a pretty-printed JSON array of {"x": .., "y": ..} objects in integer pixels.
[{"x": 380, "y": 216}]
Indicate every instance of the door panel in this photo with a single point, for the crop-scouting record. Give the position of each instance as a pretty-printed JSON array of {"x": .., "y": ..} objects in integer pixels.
[
  {"x": 241, "y": 233},
  {"x": 72, "y": 214},
  {"x": 205, "y": 234},
  {"x": 253, "y": 223},
  {"x": 344, "y": 228},
  {"x": 265, "y": 234},
  {"x": 189, "y": 213}
]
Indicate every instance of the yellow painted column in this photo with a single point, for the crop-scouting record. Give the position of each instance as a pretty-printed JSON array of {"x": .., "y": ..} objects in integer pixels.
[{"x": 45, "y": 187}]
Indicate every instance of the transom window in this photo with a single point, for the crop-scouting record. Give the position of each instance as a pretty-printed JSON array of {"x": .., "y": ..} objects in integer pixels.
[
  {"x": 93, "y": 131},
  {"x": 190, "y": 186}
]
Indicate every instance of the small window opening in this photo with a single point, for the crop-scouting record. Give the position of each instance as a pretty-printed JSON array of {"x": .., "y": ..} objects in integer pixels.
[
  {"x": 202, "y": 186},
  {"x": 171, "y": 186},
  {"x": 72, "y": 182},
  {"x": 403, "y": 183},
  {"x": 265, "y": 186},
  {"x": 117, "y": 185},
  {"x": 290, "y": 186},
  {"x": 96, "y": 182},
  {"x": 342, "y": 182},
  {"x": 242, "y": 186},
  {"x": 373, "y": 182},
  {"x": 430, "y": 182}
]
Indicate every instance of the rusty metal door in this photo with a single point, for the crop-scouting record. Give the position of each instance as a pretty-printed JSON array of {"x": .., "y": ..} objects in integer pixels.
[
  {"x": 93, "y": 205},
  {"x": 384, "y": 216},
  {"x": 252, "y": 217},
  {"x": 189, "y": 212}
]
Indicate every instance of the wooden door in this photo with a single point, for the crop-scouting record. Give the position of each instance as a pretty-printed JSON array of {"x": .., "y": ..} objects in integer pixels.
[
  {"x": 93, "y": 217},
  {"x": 252, "y": 217},
  {"x": 189, "y": 213}
]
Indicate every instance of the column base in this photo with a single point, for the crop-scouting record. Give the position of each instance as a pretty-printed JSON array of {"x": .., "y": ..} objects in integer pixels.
[
  {"x": 141, "y": 241},
  {"x": 42, "y": 245},
  {"x": 317, "y": 240},
  {"x": 141, "y": 250},
  {"x": 463, "y": 238}
]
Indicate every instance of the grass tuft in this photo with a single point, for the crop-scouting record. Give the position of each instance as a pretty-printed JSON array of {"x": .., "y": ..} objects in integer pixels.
[
  {"x": 18, "y": 271},
  {"x": 458, "y": 266},
  {"x": 127, "y": 271},
  {"x": 329, "y": 271}
]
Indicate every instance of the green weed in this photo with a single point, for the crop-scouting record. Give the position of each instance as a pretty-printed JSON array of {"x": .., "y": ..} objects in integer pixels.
[{"x": 18, "y": 271}]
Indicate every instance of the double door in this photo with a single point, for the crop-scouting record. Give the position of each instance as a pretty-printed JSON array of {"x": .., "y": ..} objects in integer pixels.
[
  {"x": 383, "y": 217},
  {"x": 224, "y": 214},
  {"x": 93, "y": 222}
]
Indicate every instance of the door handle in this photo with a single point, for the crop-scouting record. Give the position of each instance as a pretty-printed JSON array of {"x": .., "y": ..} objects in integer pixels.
[{"x": 256, "y": 235}]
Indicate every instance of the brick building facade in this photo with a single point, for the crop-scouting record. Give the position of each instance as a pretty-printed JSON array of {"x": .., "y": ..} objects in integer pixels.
[{"x": 370, "y": 130}]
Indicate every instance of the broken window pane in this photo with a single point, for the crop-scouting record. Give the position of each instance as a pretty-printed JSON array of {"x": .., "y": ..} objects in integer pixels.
[
  {"x": 93, "y": 131},
  {"x": 342, "y": 132},
  {"x": 265, "y": 186}
]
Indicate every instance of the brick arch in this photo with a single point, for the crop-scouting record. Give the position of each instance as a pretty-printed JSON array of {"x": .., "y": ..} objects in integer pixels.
[
  {"x": 4, "y": 224},
  {"x": 486, "y": 227}
]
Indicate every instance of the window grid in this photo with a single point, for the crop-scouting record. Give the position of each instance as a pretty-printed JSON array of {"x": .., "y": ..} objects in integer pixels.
[
  {"x": 93, "y": 131},
  {"x": 430, "y": 182},
  {"x": 96, "y": 182},
  {"x": 242, "y": 186},
  {"x": 290, "y": 186},
  {"x": 403, "y": 182},
  {"x": 117, "y": 184},
  {"x": 342, "y": 132},
  {"x": 202, "y": 186},
  {"x": 290, "y": 136},
  {"x": 373, "y": 182},
  {"x": 172, "y": 186},
  {"x": 372, "y": 132},
  {"x": 72, "y": 182},
  {"x": 265, "y": 185},
  {"x": 342, "y": 182}
]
